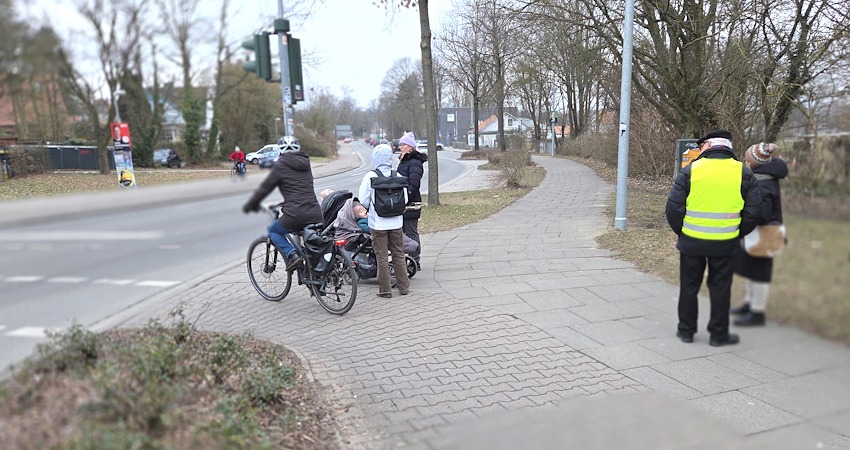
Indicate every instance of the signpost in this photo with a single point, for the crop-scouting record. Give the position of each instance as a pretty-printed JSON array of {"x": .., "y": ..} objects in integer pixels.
[{"x": 687, "y": 150}]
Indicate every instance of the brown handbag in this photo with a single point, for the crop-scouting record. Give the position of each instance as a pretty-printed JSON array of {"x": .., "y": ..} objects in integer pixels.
[{"x": 766, "y": 241}]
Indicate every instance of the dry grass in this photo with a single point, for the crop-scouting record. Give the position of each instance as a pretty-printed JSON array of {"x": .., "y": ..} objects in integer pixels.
[
  {"x": 811, "y": 279},
  {"x": 68, "y": 182}
]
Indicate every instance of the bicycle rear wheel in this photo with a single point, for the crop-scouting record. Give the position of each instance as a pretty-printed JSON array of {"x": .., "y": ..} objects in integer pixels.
[
  {"x": 338, "y": 289},
  {"x": 267, "y": 270}
]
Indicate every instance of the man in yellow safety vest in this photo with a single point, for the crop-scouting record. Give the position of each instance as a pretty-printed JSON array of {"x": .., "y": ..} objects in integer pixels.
[{"x": 714, "y": 201}]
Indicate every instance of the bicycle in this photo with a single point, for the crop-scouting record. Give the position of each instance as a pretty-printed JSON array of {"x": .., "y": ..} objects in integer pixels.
[
  {"x": 238, "y": 169},
  {"x": 334, "y": 285}
]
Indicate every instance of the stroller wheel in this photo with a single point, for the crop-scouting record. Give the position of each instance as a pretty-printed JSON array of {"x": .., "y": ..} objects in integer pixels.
[{"x": 412, "y": 266}]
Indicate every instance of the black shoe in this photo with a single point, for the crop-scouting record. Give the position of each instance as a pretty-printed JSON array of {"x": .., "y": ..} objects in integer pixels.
[
  {"x": 741, "y": 310},
  {"x": 686, "y": 338},
  {"x": 293, "y": 261},
  {"x": 751, "y": 319},
  {"x": 729, "y": 339}
]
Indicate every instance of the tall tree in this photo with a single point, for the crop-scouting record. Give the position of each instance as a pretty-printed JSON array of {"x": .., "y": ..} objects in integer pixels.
[
  {"x": 462, "y": 50},
  {"x": 115, "y": 27},
  {"x": 179, "y": 22}
]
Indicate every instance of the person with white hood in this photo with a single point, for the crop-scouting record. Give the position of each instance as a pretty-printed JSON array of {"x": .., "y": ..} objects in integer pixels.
[{"x": 386, "y": 231}]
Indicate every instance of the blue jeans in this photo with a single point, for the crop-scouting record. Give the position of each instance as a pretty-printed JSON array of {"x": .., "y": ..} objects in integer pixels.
[{"x": 278, "y": 235}]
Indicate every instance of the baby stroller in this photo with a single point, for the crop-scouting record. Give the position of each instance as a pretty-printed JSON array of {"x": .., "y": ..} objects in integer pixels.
[{"x": 352, "y": 238}]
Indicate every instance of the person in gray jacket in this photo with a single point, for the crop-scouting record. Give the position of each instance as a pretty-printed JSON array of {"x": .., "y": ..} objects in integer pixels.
[{"x": 386, "y": 231}]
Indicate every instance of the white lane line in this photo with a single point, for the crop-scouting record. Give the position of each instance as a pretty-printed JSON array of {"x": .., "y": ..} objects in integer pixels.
[
  {"x": 29, "y": 332},
  {"x": 114, "y": 282},
  {"x": 23, "y": 279},
  {"x": 66, "y": 280},
  {"x": 157, "y": 283},
  {"x": 2, "y": 327},
  {"x": 81, "y": 236},
  {"x": 170, "y": 247}
]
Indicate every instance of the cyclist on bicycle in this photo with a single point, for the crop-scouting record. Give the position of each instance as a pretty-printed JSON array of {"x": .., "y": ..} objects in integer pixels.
[
  {"x": 238, "y": 159},
  {"x": 292, "y": 175}
]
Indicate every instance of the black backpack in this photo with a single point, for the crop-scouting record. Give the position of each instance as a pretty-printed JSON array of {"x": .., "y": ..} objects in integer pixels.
[{"x": 390, "y": 193}]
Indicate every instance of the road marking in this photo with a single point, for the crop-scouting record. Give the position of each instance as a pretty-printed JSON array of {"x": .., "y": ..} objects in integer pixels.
[
  {"x": 66, "y": 280},
  {"x": 114, "y": 282},
  {"x": 170, "y": 247},
  {"x": 157, "y": 283},
  {"x": 92, "y": 235},
  {"x": 23, "y": 279},
  {"x": 28, "y": 332},
  {"x": 2, "y": 327}
]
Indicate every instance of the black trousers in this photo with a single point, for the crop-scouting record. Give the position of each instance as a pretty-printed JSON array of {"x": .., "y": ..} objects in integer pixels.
[
  {"x": 410, "y": 227},
  {"x": 720, "y": 270}
]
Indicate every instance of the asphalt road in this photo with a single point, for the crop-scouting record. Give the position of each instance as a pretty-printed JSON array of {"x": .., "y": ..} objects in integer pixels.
[{"x": 87, "y": 266}]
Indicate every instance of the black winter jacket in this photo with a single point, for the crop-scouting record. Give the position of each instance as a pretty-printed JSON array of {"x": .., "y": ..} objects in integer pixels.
[
  {"x": 292, "y": 175},
  {"x": 751, "y": 215},
  {"x": 761, "y": 269},
  {"x": 412, "y": 166}
]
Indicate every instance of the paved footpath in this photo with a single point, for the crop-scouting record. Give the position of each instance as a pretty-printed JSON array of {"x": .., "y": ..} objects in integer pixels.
[{"x": 520, "y": 330}]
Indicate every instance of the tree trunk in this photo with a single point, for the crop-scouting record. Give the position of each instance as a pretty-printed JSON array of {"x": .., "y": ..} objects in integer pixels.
[{"x": 430, "y": 104}]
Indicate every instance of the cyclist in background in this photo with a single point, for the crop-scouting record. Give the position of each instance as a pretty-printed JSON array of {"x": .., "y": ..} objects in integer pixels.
[
  {"x": 238, "y": 159},
  {"x": 293, "y": 177}
]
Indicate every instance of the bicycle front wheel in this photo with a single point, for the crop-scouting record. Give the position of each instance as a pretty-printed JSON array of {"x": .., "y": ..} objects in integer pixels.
[
  {"x": 267, "y": 270},
  {"x": 338, "y": 289}
]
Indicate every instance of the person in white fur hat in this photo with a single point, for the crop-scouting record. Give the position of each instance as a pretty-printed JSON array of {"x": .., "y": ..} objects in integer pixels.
[{"x": 768, "y": 169}]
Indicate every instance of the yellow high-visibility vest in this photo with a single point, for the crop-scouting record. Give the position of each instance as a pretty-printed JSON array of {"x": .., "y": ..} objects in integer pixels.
[{"x": 714, "y": 203}]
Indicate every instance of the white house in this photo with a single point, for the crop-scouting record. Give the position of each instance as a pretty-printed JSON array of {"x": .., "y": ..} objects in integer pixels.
[{"x": 488, "y": 129}]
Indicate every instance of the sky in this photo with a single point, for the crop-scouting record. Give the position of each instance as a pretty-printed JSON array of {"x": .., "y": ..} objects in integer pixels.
[{"x": 353, "y": 43}]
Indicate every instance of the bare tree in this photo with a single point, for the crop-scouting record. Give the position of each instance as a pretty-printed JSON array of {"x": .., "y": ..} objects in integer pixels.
[
  {"x": 462, "y": 52},
  {"x": 116, "y": 29},
  {"x": 179, "y": 21}
]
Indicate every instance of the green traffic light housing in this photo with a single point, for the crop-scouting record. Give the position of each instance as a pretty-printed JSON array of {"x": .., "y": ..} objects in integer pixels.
[{"x": 262, "y": 66}]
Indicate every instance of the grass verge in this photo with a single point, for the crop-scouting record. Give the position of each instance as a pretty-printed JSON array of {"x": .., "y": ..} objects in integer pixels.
[{"x": 810, "y": 279}]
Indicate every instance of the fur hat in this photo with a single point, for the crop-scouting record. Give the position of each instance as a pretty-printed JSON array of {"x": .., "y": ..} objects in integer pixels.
[
  {"x": 722, "y": 134},
  {"x": 408, "y": 139},
  {"x": 761, "y": 153}
]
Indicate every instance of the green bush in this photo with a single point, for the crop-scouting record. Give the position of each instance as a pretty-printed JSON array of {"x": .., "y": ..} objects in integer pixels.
[
  {"x": 263, "y": 385},
  {"x": 29, "y": 160},
  {"x": 75, "y": 350}
]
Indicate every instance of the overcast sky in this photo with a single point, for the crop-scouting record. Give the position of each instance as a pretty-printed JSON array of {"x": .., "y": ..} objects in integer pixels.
[{"x": 354, "y": 41}]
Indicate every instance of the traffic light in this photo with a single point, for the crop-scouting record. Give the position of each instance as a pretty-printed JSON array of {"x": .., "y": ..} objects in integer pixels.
[
  {"x": 296, "y": 82},
  {"x": 262, "y": 66}
]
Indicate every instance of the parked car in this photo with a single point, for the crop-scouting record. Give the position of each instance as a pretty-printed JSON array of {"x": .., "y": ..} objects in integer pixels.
[
  {"x": 269, "y": 150},
  {"x": 268, "y": 159},
  {"x": 167, "y": 157},
  {"x": 422, "y": 145},
  {"x": 347, "y": 140}
]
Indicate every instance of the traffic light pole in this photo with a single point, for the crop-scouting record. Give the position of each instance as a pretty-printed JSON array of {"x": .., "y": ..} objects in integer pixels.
[{"x": 283, "y": 54}]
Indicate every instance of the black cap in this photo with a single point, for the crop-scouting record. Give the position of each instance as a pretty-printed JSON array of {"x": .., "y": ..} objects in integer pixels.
[{"x": 725, "y": 134}]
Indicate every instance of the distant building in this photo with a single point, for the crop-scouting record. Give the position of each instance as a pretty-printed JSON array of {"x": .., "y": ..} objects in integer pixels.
[
  {"x": 343, "y": 131},
  {"x": 456, "y": 124},
  {"x": 488, "y": 129}
]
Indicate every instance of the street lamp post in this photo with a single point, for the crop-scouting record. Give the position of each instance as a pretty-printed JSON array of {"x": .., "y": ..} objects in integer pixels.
[{"x": 115, "y": 95}]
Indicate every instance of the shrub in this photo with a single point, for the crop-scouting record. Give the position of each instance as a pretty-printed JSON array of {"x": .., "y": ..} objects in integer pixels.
[
  {"x": 75, "y": 350},
  {"x": 29, "y": 160},
  {"x": 512, "y": 164},
  {"x": 313, "y": 144}
]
